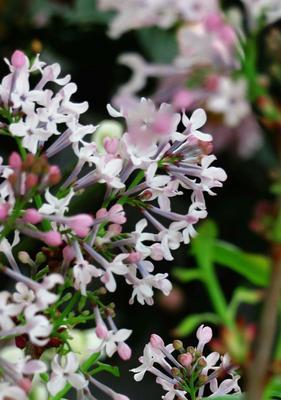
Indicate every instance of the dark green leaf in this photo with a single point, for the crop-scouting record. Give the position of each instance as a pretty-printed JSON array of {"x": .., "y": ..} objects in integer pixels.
[
  {"x": 190, "y": 323},
  {"x": 187, "y": 274},
  {"x": 254, "y": 267},
  {"x": 160, "y": 45}
]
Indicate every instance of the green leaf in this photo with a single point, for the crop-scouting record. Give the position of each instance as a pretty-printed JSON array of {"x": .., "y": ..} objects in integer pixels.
[
  {"x": 86, "y": 12},
  {"x": 254, "y": 267},
  {"x": 239, "y": 396},
  {"x": 273, "y": 389},
  {"x": 190, "y": 323},
  {"x": 160, "y": 45},
  {"x": 107, "y": 368},
  {"x": 243, "y": 295},
  {"x": 44, "y": 271},
  {"x": 187, "y": 274}
]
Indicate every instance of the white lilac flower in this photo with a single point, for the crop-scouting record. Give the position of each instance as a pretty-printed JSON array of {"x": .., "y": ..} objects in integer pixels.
[
  {"x": 8, "y": 310},
  {"x": 110, "y": 344},
  {"x": 143, "y": 287},
  {"x": 116, "y": 267},
  {"x": 38, "y": 327},
  {"x": 45, "y": 112},
  {"x": 190, "y": 365},
  {"x": 64, "y": 370},
  {"x": 24, "y": 295},
  {"x": 83, "y": 273},
  {"x": 230, "y": 101},
  {"x": 54, "y": 205},
  {"x": 10, "y": 391},
  {"x": 136, "y": 14},
  {"x": 257, "y": 8},
  {"x": 172, "y": 392}
]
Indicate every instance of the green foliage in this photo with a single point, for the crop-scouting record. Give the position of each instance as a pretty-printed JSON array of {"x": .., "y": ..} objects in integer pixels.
[
  {"x": 86, "y": 12},
  {"x": 160, "y": 45},
  {"x": 273, "y": 389},
  {"x": 229, "y": 397},
  {"x": 243, "y": 295},
  {"x": 190, "y": 323},
  {"x": 254, "y": 267},
  {"x": 210, "y": 252}
]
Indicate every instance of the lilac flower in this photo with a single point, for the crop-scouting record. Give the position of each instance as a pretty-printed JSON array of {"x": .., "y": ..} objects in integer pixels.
[
  {"x": 230, "y": 100},
  {"x": 8, "y": 310},
  {"x": 111, "y": 342},
  {"x": 11, "y": 391},
  {"x": 64, "y": 370},
  {"x": 187, "y": 368}
]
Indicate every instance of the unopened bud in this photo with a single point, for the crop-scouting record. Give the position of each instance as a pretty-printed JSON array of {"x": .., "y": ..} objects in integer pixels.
[
  {"x": 202, "y": 362},
  {"x": 178, "y": 345},
  {"x": 54, "y": 175},
  {"x": 32, "y": 216},
  {"x": 40, "y": 258},
  {"x": 18, "y": 59},
  {"x": 52, "y": 238},
  {"x": 156, "y": 341},
  {"x": 15, "y": 160},
  {"x": 175, "y": 371},
  {"x": 31, "y": 180},
  {"x": 24, "y": 257},
  {"x": 185, "y": 359},
  {"x": 124, "y": 351}
]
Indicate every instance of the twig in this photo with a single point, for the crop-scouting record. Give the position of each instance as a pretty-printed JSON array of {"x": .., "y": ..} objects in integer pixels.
[{"x": 267, "y": 330}]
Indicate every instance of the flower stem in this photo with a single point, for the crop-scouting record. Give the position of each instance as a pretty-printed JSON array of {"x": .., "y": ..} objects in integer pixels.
[{"x": 259, "y": 366}]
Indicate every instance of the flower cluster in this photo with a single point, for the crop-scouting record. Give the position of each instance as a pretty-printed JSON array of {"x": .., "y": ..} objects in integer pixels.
[
  {"x": 163, "y": 13},
  {"x": 191, "y": 375},
  {"x": 210, "y": 67},
  {"x": 80, "y": 256}
]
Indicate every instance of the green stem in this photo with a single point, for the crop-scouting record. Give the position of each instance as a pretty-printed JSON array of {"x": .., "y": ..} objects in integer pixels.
[
  {"x": 22, "y": 150},
  {"x": 67, "y": 310},
  {"x": 216, "y": 294},
  {"x": 46, "y": 225},
  {"x": 135, "y": 182}
]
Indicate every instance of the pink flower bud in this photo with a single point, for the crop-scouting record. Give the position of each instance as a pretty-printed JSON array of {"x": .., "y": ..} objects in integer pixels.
[
  {"x": 101, "y": 331},
  {"x": 156, "y": 341},
  {"x": 31, "y": 181},
  {"x": 68, "y": 253},
  {"x": 185, "y": 359},
  {"x": 162, "y": 124},
  {"x": 212, "y": 82},
  {"x": 182, "y": 99},
  {"x": 110, "y": 145},
  {"x": 227, "y": 35},
  {"x": 81, "y": 224},
  {"x": 124, "y": 351},
  {"x": 102, "y": 213},
  {"x": 25, "y": 384},
  {"x": 32, "y": 216},
  {"x": 51, "y": 238},
  {"x": 4, "y": 211},
  {"x": 134, "y": 257},
  {"x": 213, "y": 22},
  {"x": 204, "y": 335},
  {"x": 156, "y": 252},
  {"x": 116, "y": 214},
  {"x": 18, "y": 59},
  {"x": 54, "y": 175},
  {"x": 15, "y": 161},
  {"x": 115, "y": 229}
]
